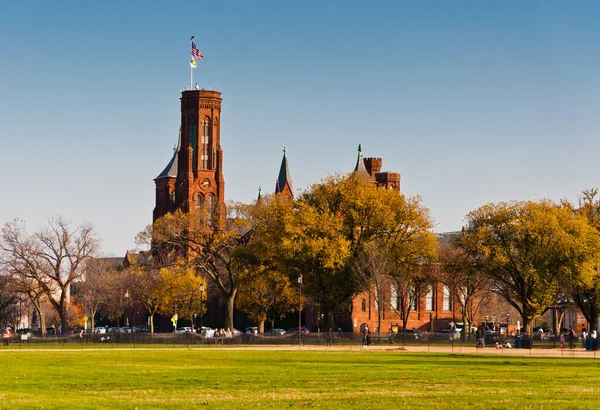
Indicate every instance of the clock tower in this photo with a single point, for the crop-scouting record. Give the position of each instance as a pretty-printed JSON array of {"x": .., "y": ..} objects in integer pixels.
[{"x": 194, "y": 176}]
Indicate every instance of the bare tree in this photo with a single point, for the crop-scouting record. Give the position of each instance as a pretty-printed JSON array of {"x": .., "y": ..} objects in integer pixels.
[{"x": 54, "y": 256}]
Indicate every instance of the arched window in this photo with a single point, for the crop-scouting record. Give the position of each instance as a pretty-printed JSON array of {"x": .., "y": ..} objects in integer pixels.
[
  {"x": 199, "y": 199},
  {"x": 364, "y": 305},
  {"x": 447, "y": 298},
  {"x": 429, "y": 298},
  {"x": 194, "y": 143},
  {"x": 205, "y": 144},
  {"x": 210, "y": 201},
  {"x": 394, "y": 298}
]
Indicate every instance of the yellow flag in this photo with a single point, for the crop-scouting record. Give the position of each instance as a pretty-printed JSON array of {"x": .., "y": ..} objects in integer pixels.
[{"x": 193, "y": 63}]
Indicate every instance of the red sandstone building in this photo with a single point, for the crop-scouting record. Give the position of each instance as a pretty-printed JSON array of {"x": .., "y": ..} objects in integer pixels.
[{"x": 194, "y": 177}]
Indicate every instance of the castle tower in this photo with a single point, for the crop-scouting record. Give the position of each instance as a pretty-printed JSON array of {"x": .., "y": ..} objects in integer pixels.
[
  {"x": 194, "y": 176},
  {"x": 372, "y": 167},
  {"x": 283, "y": 185}
]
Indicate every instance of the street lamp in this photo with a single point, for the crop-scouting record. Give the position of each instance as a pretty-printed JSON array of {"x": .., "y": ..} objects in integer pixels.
[
  {"x": 127, "y": 303},
  {"x": 507, "y": 317},
  {"x": 201, "y": 306},
  {"x": 300, "y": 311}
]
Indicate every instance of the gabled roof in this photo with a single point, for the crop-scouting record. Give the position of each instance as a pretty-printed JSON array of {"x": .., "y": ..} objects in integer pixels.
[
  {"x": 170, "y": 170},
  {"x": 284, "y": 176}
]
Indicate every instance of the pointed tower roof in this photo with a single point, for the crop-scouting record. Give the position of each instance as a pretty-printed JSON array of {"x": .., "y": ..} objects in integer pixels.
[
  {"x": 360, "y": 162},
  {"x": 170, "y": 170},
  {"x": 284, "y": 178},
  {"x": 259, "y": 194}
]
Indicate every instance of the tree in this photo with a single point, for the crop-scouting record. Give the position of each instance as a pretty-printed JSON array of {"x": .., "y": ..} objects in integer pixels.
[
  {"x": 8, "y": 298},
  {"x": 212, "y": 251},
  {"x": 527, "y": 249},
  {"x": 268, "y": 296},
  {"x": 143, "y": 282},
  {"x": 465, "y": 281},
  {"x": 586, "y": 286},
  {"x": 179, "y": 290},
  {"x": 95, "y": 289},
  {"x": 323, "y": 234},
  {"x": 54, "y": 256}
]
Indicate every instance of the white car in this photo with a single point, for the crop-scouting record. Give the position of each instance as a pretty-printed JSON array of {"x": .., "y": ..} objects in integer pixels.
[
  {"x": 184, "y": 330},
  {"x": 100, "y": 330}
]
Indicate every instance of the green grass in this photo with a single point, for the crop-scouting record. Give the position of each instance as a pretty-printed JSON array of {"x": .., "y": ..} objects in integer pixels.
[{"x": 165, "y": 378}]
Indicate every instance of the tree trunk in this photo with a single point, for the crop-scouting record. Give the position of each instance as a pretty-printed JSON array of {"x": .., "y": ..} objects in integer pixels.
[
  {"x": 230, "y": 305},
  {"x": 152, "y": 323},
  {"x": 261, "y": 326},
  {"x": 465, "y": 326}
]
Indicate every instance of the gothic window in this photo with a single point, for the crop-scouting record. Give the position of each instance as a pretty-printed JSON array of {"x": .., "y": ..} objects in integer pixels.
[
  {"x": 199, "y": 199},
  {"x": 205, "y": 144},
  {"x": 364, "y": 305},
  {"x": 194, "y": 143},
  {"x": 429, "y": 305},
  {"x": 447, "y": 298},
  {"x": 210, "y": 201}
]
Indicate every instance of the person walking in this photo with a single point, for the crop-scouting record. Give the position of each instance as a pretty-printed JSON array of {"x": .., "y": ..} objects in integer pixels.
[
  {"x": 571, "y": 337},
  {"x": 562, "y": 341},
  {"x": 391, "y": 336},
  {"x": 365, "y": 335}
]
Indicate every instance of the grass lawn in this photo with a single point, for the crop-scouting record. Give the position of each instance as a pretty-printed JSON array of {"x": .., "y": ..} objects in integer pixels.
[{"x": 164, "y": 378}]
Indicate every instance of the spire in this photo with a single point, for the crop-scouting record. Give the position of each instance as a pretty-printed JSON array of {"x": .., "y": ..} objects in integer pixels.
[
  {"x": 360, "y": 162},
  {"x": 170, "y": 170},
  {"x": 284, "y": 178},
  {"x": 259, "y": 194}
]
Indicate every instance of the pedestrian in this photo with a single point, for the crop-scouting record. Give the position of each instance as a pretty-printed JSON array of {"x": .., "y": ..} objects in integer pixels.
[
  {"x": 369, "y": 338},
  {"x": 329, "y": 337},
  {"x": 6, "y": 335},
  {"x": 562, "y": 341},
  {"x": 391, "y": 336},
  {"x": 583, "y": 336},
  {"x": 571, "y": 337},
  {"x": 365, "y": 334}
]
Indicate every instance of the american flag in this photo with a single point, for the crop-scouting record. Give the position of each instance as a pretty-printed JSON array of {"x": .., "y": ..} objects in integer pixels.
[{"x": 195, "y": 52}]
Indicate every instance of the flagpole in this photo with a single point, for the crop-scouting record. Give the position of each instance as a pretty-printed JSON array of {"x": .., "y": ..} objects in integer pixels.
[{"x": 191, "y": 68}]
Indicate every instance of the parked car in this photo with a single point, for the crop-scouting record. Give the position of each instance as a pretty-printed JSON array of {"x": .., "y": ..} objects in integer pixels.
[
  {"x": 275, "y": 332},
  {"x": 142, "y": 328},
  {"x": 412, "y": 333},
  {"x": 100, "y": 330},
  {"x": 295, "y": 330},
  {"x": 112, "y": 330},
  {"x": 236, "y": 332},
  {"x": 251, "y": 329},
  {"x": 125, "y": 329},
  {"x": 184, "y": 330}
]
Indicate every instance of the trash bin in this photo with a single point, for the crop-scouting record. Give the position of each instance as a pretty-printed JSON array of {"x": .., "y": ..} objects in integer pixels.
[
  {"x": 589, "y": 344},
  {"x": 517, "y": 342}
]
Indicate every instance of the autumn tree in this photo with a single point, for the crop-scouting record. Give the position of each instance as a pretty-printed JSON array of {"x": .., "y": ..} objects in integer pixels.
[
  {"x": 527, "y": 249},
  {"x": 212, "y": 251},
  {"x": 95, "y": 290},
  {"x": 179, "y": 290},
  {"x": 144, "y": 283},
  {"x": 323, "y": 234},
  {"x": 465, "y": 281},
  {"x": 267, "y": 296},
  {"x": 586, "y": 286}
]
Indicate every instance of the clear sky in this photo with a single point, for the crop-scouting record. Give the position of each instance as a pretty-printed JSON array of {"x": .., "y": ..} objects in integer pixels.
[{"x": 471, "y": 101}]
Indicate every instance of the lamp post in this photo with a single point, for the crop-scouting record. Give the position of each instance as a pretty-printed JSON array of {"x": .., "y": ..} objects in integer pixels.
[
  {"x": 126, "y": 305},
  {"x": 300, "y": 311},
  {"x": 201, "y": 305},
  {"x": 507, "y": 318}
]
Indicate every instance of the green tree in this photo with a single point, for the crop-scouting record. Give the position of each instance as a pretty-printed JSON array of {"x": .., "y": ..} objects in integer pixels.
[{"x": 528, "y": 249}]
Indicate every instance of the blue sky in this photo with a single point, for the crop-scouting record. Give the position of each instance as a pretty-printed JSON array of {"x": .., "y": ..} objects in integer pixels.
[{"x": 472, "y": 102}]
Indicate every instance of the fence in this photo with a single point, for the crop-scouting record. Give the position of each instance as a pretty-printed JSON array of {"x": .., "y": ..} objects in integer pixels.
[{"x": 140, "y": 339}]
